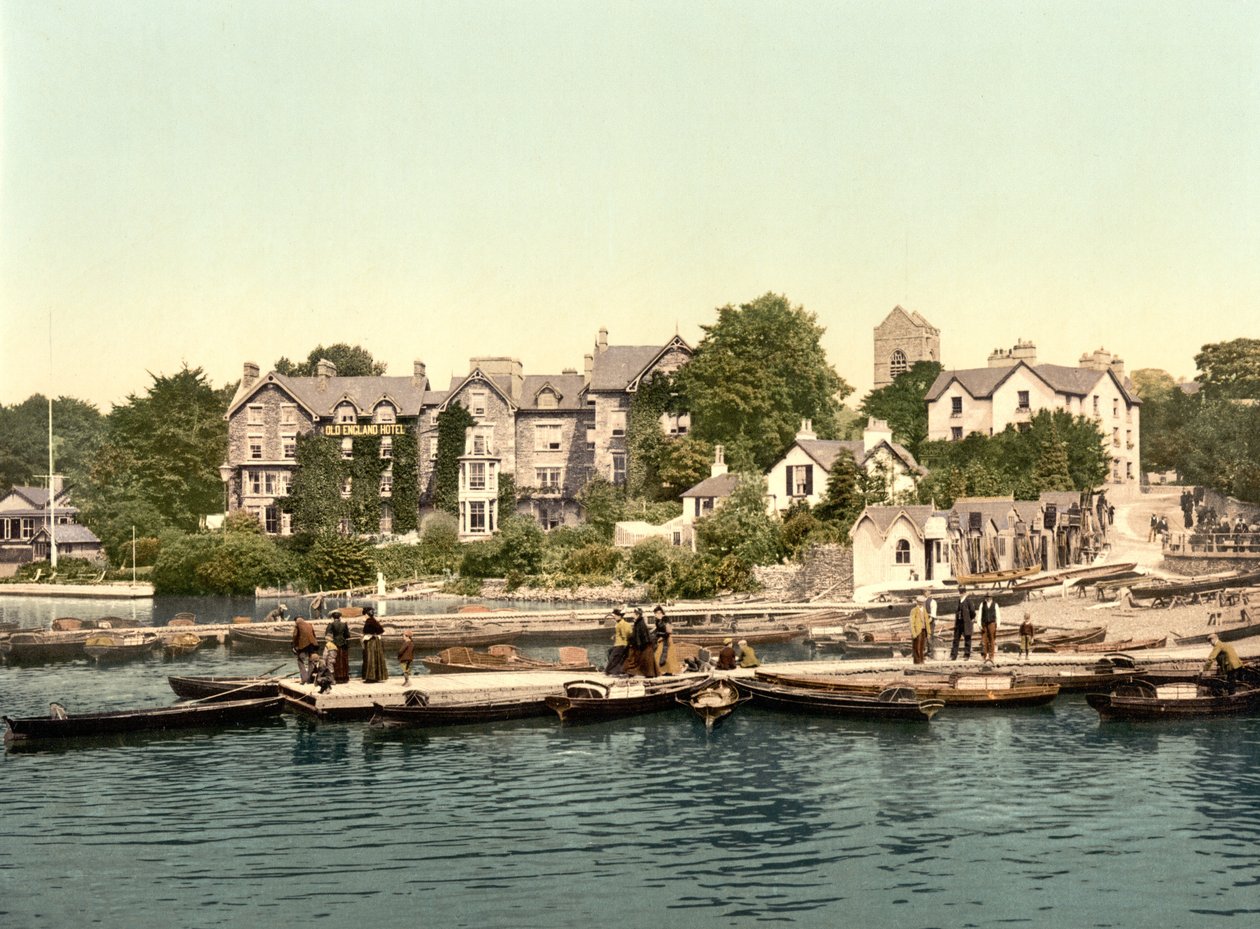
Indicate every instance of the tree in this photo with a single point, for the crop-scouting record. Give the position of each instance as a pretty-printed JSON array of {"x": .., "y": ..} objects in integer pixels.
[
  {"x": 1230, "y": 370},
  {"x": 1153, "y": 384},
  {"x": 741, "y": 526},
  {"x": 338, "y": 562},
  {"x": 604, "y": 504},
  {"x": 78, "y": 429},
  {"x": 405, "y": 496},
  {"x": 843, "y": 500},
  {"x": 163, "y": 449},
  {"x": 314, "y": 498},
  {"x": 903, "y": 406},
  {"x": 351, "y": 361},
  {"x": 647, "y": 447},
  {"x": 686, "y": 461},
  {"x": 452, "y": 423},
  {"x": 758, "y": 371}
]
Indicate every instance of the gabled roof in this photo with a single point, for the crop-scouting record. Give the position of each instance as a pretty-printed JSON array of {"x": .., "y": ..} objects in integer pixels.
[
  {"x": 721, "y": 486},
  {"x": 883, "y": 517},
  {"x": 619, "y": 367},
  {"x": 70, "y": 533},
  {"x": 37, "y": 498},
  {"x": 364, "y": 392},
  {"x": 911, "y": 317},
  {"x": 824, "y": 451},
  {"x": 996, "y": 510},
  {"x": 980, "y": 383},
  {"x": 473, "y": 377},
  {"x": 568, "y": 388}
]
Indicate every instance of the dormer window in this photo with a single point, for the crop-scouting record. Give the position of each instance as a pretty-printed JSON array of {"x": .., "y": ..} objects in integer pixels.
[
  {"x": 385, "y": 413},
  {"x": 346, "y": 413},
  {"x": 547, "y": 400}
]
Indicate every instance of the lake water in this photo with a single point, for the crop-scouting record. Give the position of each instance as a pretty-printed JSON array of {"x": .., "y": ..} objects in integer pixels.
[{"x": 1040, "y": 817}]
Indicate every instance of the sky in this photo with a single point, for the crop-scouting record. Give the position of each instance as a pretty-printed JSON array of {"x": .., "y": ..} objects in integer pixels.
[{"x": 210, "y": 183}]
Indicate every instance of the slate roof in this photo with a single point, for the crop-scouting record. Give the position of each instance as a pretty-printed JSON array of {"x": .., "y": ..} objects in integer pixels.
[
  {"x": 884, "y": 516},
  {"x": 37, "y": 497},
  {"x": 363, "y": 392},
  {"x": 721, "y": 486},
  {"x": 71, "y": 533},
  {"x": 1071, "y": 381},
  {"x": 570, "y": 387},
  {"x": 824, "y": 452},
  {"x": 618, "y": 365}
]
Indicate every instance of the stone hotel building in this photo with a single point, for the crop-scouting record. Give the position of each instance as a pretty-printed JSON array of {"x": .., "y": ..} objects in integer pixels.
[{"x": 551, "y": 432}]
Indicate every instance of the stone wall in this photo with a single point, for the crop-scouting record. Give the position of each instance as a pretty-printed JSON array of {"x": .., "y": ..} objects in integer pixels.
[{"x": 826, "y": 573}]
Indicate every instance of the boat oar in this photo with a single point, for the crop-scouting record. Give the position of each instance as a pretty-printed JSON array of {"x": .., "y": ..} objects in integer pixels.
[{"x": 251, "y": 683}]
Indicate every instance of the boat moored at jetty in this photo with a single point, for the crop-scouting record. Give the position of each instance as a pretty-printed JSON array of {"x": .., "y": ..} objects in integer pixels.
[
  {"x": 585, "y": 701},
  {"x": 62, "y": 725},
  {"x": 1141, "y": 699},
  {"x": 894, "y": 703}
]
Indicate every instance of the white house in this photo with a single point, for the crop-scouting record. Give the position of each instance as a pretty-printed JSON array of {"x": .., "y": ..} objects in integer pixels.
[
  {"x": 801, "y": 474},
  {"x": 1013, "y": 388}
]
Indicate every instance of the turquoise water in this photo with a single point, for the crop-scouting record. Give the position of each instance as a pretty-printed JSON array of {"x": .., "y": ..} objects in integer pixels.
[{"x": 1041, "y": 817}]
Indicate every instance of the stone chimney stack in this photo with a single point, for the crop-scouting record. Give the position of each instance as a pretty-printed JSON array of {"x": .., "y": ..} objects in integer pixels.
[
  {"x": 324, "y": 369},
  {"x": 1099, "y": 360},
  {"x": 601, "y": 343},
  {"x": 418, "y": 376},
  {"x": 250, "y": 375},
  {"x": 719, "y": 462},
  {"x": 1023, "y": 351},
  {"x": 807, "y": 430},
  {"x": 588, "y": 365},
  {"x": 876, "y": 431}
]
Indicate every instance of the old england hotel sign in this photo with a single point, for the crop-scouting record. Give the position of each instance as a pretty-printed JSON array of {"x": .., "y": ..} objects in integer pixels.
[{"x": 353, "y": 429}]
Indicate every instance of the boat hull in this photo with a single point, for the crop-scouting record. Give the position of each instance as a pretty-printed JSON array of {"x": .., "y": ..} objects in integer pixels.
[
  {"x": 180, "y": 716},
  {"x": 824, "y": 703}
]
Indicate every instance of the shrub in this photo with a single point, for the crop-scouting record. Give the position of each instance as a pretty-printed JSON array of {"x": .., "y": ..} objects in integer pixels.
[
  {"x": 597, "y": 558},
  {"x": 337, "y": 562}
]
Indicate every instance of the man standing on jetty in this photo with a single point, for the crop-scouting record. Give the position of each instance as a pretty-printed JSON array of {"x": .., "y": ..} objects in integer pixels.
[
  {"x": 990, "y": 618},
  {"x": 964, "y": 625},
  {"x": 919, "y": 630},
  {"x": 305, "y": 645}
]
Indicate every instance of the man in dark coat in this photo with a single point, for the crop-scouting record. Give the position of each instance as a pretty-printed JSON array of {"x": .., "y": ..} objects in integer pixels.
[
  {"x": 337, "y": 635},
  {"x": 642, "y": 656},
  {"x": 964, "y": 625},
  {"x": 305, "y": 645}
]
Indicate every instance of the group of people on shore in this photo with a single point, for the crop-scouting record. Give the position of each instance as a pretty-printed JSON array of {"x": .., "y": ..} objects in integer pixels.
[
  {"x": 641, "y": 651},
  {"x": 923, "y": 628},
  {"x": 332, "y": 666}
]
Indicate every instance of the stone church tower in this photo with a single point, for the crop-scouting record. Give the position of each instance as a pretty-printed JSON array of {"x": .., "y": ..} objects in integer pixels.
[{"x": 902, "y": 339}]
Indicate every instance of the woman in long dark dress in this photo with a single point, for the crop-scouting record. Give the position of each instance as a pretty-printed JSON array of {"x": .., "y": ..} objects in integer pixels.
[{"x": 374, "y": 667}]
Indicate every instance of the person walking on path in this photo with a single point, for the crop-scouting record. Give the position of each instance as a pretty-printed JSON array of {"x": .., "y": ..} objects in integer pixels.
[
  {"x": 406, "y": 655},
  {"x": 919, "y": 630},
  {"x": 374, "y": 667},
  {"x": 964, "y": 625},
  {"x": 337, "y": 638},
  {"x": 304, "y": 646},
  {"x": 990, "y": 619},
  {"x": 663, "y": 632}
]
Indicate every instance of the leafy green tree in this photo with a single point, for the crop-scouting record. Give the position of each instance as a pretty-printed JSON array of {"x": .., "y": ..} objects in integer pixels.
[
  {"x": 521, "y": 545},
  {"x": 685, "y": 462},
  {"x": 162, "y": 449},
  {"x": 338, "y": 562},
  {"x": 439, "y": 542},
  {"x": 758, "y": 371},
  {"x": 741, "y": 526},
  {"x": 843, "y": 500},
  {"x": 604, "y": 505},
  {"x": 1153, "y": 384},
  {"x": 351, "y": 361},
  {"x": 903, "y": 406},
  {"x": 405, "y": 497},
  {"x": 452, "y": 423},
  {"x": 1230, "y": 370},
  {"x": 227, "y": 564},
  {"x": 78, "y": 429},
  {"x": 315, "y": 492}
]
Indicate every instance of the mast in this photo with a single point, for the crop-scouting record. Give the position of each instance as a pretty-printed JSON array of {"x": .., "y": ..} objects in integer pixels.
[{"x": 52, "y": 494}]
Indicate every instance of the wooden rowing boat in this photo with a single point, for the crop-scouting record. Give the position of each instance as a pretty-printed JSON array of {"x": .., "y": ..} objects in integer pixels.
[
  {"x": 1142, "y": 700},
  {"x": 217, "y": 688},
  {"x": 60, "y": 725},
  {"x": 895, "y": 703},
  {"x": 586, "y": 701},
  {"x": 247, "y": 639},
  {"x": 714, "y": 702},
  {"x": 1006, "y": 576},
  {"x": 1167, "y": 589},
  {"x": 38, "y": 647},
  {"x": 1121, "y": 645},
  {"x": 967, "y": 690},
  {"x": 180, "y": 644},
  {"x": 418, "y": 712},
  {"x": 117, "y": 647},
  {"x": 463, "y": 660},
  {"x": 717, "y": 636},
  {"x": 1084, "y": 574},
  {"x": 1225, "y": 634}
]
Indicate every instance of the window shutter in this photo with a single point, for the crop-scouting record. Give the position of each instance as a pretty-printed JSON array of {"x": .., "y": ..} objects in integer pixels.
[
  {"x": 788, "y": 469},
  {"x": 809, "y": 480}
]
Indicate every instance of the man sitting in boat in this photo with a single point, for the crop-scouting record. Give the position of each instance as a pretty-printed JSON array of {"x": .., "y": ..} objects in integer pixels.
[{"x": 1226, "y": 660}]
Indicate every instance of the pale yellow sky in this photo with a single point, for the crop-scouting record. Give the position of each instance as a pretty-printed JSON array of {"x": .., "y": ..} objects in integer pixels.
[{"x": 212, "y": 183}]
